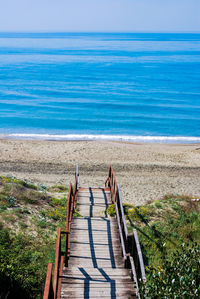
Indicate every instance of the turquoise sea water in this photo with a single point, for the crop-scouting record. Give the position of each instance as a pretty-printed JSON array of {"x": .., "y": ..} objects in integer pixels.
[{"x": 130, "y": 86}]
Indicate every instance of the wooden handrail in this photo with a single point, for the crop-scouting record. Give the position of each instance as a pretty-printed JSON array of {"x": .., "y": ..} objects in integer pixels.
[
  {"x": 71, "y": 202},
  {"x": 122, "y": 213},
  {"x": 53, "y": 290},
  {"x": 139, "y": 256},
  {"x": 131, "y": 250},
  {"x": 48, "y": 288},
  {"x": 76, "y": 186},
  {"x": 57, "y": 262},
  {"x": 134, "y": 274},
  {"x": 77, "y": 177},
  {"x": 120, "y": 234},
  {"x": 68, "y": 223}
]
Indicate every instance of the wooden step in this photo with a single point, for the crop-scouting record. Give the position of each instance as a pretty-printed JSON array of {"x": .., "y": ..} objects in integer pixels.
[
  {"x": 93, "y": 292},
  {"x": 83, "y": 261},
  {"x": 95, "y": 272}
]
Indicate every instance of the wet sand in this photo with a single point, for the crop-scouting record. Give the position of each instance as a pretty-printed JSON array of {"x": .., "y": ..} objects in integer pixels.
[{"x": 143, "y": 171}]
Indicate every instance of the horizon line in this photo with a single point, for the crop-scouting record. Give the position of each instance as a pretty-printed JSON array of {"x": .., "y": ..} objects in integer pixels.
[{"x": 130, "y": 32}]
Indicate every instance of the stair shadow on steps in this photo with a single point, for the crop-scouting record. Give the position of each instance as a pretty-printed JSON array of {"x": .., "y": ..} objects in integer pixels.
[
  {"x": 92, "y": 247},
  {"x": 106, "y": 277}
]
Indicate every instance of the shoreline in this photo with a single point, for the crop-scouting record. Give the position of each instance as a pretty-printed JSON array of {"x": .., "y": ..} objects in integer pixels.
[
  {"x": 144, "y": 171},
  {"x": 103, "y": 137}
]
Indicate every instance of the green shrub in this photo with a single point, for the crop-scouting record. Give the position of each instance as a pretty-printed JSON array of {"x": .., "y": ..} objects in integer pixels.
[
  {"x": 24, "y": 256},
  {"x": 12, "y": 201},
  {"x": 28, "y": 185},
  {"x": 58, "y": 202},
  {"x": 2, "y": 208},
  {"x": 57, "y": 214},
  {"x": 29, "y": 200},
  {"x": 177, "y": 278},
  {"x": 22, "y": 225},
  {"x": 139, "y": 213},
  {"x": 163, "y": 226},
  {"x": 42, "y": 223},
  {"x": 26, "y": 211},
  {"x": 111, "y": 210},
  {"x": 23, "y": 263},
  {"x": 58, "y": 188}
]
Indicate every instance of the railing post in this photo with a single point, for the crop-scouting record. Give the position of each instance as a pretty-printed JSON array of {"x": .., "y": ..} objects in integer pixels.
[
  {"x": 67, "y": 224},
  {"x": 77, "y": 176},
  {"x": 66, "y": 250},
  {"x": 48, "y": 289},
  {"x": 57, "y": 262}
]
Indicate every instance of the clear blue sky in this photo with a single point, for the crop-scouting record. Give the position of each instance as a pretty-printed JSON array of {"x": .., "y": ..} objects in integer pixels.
[{"x": 100, "y": 15}]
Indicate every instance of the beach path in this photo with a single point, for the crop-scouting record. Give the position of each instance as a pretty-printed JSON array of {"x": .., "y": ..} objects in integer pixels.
[{"x": 96, "y": 267}]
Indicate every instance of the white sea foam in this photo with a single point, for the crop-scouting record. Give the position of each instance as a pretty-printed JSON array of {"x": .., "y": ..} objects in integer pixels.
[{"x": 130, "y": 138}]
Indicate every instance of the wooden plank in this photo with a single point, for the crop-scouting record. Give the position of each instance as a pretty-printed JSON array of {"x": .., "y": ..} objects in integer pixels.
[
  {"x": 95, "y": 271},
  {"x": 98, "y": 282},
  {"x": 79, "y": 275},
  {"x": 97, "y": 293},
  {"x": 96, "y": 190}
]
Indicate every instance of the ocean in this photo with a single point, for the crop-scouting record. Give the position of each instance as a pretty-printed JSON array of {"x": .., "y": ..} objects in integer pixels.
[{"x": 112, "y": 86}]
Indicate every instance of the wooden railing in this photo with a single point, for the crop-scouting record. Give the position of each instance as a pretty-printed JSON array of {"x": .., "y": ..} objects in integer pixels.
[
  {"x": 76, "y": 186},
  {"x": 48, "y": 289},
  {"x": 70, "y": 205},
  {"x": 52, "y": 289},
  {"x": 130, "y": 245},
  {"x": 71, "y": 202}
]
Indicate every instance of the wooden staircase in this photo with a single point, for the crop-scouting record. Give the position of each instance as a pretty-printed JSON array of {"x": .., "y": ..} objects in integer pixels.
[
  {"x": 100, "y": 259},
  {"x": 95, "y": 268}
]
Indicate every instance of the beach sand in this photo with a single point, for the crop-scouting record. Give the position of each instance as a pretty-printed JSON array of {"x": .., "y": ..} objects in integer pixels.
[{"x": 143, "y": 171}]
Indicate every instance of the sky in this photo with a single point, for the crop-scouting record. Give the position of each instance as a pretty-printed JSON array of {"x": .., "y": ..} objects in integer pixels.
[{"x": 100, "y": 15}]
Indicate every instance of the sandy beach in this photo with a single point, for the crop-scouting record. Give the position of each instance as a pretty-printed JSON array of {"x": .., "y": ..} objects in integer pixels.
[{"x": 143, "y": 171}]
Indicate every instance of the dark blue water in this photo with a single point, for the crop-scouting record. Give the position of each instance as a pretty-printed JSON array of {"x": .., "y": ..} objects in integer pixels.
[{"x": 115, "y": 85}]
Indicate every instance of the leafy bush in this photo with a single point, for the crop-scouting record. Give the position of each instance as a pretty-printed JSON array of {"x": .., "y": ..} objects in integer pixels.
[
  {"x": 42, "y": 223},
  {"x": 57, "y": 214},
  {"x": 178, "y": 278},
  {"x": 22, "y": 261},
  {"x": 111, "y": 210},
  {"x": 11, "y": 200},
  {"x": 164, "y": 227},
  {"x": 139, "y": 213},
  {"x": 27, "y": 236}
]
